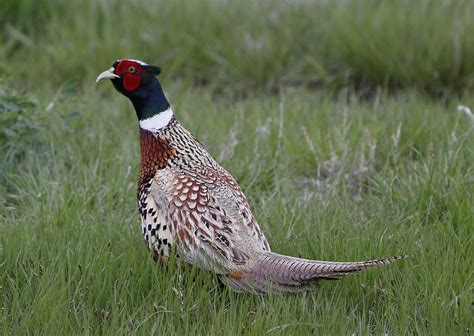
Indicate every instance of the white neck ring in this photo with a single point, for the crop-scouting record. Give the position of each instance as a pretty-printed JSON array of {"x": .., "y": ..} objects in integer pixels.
[{"x": 158, "y": 121}]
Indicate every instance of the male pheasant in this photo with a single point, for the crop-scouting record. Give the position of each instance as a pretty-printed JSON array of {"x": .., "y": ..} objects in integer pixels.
[{"x": 186, "y": 199}]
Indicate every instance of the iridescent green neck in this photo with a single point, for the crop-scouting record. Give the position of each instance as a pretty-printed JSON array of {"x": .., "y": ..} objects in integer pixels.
[{"x": 149, "y": 100}]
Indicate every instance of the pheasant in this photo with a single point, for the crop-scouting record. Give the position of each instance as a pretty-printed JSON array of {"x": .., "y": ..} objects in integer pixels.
[{"x": 188, "y": 202}]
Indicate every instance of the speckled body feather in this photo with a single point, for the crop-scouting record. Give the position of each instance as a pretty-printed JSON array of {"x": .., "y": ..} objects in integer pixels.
[{"x": 186, "y": 198}]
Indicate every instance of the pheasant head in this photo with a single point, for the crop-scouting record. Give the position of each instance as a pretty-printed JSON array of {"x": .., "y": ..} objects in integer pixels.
[{"x": 137, "y": 81}]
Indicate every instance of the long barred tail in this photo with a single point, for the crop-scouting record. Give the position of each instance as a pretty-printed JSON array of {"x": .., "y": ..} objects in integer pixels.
[{"x": 276, "y": 272}]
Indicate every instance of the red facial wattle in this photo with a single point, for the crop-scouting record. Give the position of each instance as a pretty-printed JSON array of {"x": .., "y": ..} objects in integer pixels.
[
  {"x": 131, "y": 73},
  {"x": 131, "y": 82}
]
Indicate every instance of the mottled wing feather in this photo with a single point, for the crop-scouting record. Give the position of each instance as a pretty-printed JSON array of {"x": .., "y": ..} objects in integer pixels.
[
  {"x": 210, "y": 218},
  {"x": 240, "y": 203}
]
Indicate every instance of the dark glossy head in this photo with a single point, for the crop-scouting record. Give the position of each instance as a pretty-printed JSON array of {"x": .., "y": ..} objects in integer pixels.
[{"x": 137, "y": 81}]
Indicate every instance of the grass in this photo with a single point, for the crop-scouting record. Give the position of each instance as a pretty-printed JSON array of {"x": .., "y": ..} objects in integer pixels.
[
  {"x": 264, "y": 44},
  {"x": 376, "y": 162},
  {"x": 327, "y": 179}
]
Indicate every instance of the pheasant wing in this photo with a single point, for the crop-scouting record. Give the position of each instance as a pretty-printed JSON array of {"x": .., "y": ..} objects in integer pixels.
[{"x": 210, "y": 219}]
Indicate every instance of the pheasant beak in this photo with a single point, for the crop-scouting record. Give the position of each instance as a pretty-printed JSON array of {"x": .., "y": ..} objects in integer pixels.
[{"x": 107, "y": 74}]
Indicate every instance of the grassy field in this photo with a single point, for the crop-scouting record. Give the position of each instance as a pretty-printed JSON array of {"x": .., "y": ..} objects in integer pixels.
[
  {"x": 262, "y": 44},
  {"x": 347, "y": 141}
]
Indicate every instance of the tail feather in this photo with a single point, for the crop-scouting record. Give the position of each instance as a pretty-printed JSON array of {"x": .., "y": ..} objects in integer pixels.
[{"x": 290, "y": 274}]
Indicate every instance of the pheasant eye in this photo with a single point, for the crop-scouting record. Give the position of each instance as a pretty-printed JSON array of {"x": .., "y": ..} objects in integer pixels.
[{"x": 131, "y": 69}]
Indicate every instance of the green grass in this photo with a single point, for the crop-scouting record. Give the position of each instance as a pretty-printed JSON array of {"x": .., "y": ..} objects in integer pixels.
[
  {"x": 262, "y": 44},
  {"x": 327, "y": 179},
  {"x": 339, "y": 120}
]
